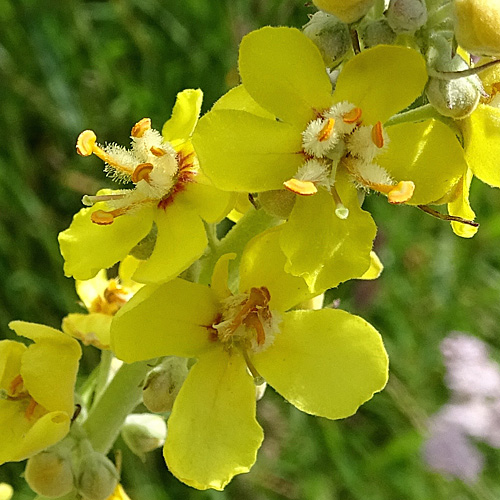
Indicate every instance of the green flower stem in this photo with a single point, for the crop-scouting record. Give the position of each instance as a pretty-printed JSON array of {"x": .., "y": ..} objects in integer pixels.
[
  {"x": 121, "y": 396},
  {"x": 251, "y": 224},
  {"x": 103, "y": 374}
]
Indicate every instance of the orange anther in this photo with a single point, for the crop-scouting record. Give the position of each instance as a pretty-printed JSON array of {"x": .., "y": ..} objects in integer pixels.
[
  {"x": 378, "y": 135},
  {"x": 85, "y": 143},
  {"x": 401, "y": 193},
  {"x": 16, "y": 386},
  {"x": 102, "y": 218},
  {"x": 327, "y": 130},
  {"x": 352, "y": 116},
  {"x": 303, "y": 188},
  {"x": 30, "y": 410},
  {"x": 141, "y": 172},
  {"x": 140, "y": 127},
  {"x": 157, "y": 151},
  {"x": 253, "y": 321}
]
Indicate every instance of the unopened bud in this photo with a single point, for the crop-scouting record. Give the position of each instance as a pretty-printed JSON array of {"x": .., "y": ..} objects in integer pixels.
[
  {"x": 278, "y": 203},
  {"x": 376, "y": 33},
  {"x": 97, "y": 477},
  {"x": 144, "y": 432},
  {"x": 457, "y": 97},
  {"x": 477, "y": 26},
  {"x": 6, "y": 491},
  {"x": 406, "y": 16},
  {"x": 330, "y": 35},
  {"x": 163, "y": 383},
  {"x": 347, "y": 11},
  {"x": 50, "y": 474}
]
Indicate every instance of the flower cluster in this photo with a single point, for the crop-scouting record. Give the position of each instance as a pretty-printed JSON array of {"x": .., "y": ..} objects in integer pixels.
[{"x": 322, "y": 118}]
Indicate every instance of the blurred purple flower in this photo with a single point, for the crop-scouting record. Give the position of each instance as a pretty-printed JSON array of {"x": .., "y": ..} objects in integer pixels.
[{"x": 473, "y": 411}]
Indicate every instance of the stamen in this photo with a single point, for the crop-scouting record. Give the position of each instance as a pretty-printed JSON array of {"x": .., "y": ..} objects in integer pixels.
[
  {"x": 141, "y": 127},
  {"x": 401, "y": 193},
  {"x": 378, "y": 135},
  {"x": 16, "y": 386},
  {"x": 158, "y": 152},
  {"x": 102, "y": 218},
  {"x": 31, "y": 409},
  {"x": 253, "y": 321},
  {"x": 352, "y": 116},
  {"x": 88, "y": 200},
  {"x": 303, "y": 188},
  {"x": 142, "y": 172},
  {"x": 327, "y": 130},
  {"x": 85, "y": 143}
]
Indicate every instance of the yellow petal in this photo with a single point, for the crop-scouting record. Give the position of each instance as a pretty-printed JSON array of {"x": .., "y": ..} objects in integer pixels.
[
  {"x": 460, "y": 207},
  {"x": 220, "y": 276},
  {"x": 375, "y": 269},
  {"x": 10, "y": 361},
  {"x": 212, "y": 431},
  {"x": 90, "y": 329},
  {"x": 88, "y": 290}
]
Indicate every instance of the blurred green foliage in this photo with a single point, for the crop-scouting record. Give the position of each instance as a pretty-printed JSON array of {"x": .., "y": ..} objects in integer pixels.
[{"x": 68, "y": 66}]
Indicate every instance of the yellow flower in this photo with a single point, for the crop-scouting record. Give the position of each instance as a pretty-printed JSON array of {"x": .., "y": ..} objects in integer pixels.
[
  {"x": 346, "y": 10},
  {"x": 37, "y": 385}
]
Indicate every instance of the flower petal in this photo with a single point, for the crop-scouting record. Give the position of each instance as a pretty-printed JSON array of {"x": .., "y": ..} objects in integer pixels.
[
  {"x": 220, "y": 276},
  {"x": 25, "y": 438},
  {"x": 10, "y": 361},
  {"x": 460, "y": 206},
  {"x": 322, "y": 248},
  {"x": 178, "y": 316},
  {"x": 184, "y": 116},
  {"x": 284, "y": 72},
  {"x": 212, "y": 431},
  {"x": 239, "y": 151},
  {"x": 482, "y": 143},
  {"x": 88, "y": 290},
  {"x": 239, "y": 98},
  {"x": 325, "y": 362},
  {"x": 427, "y": 153},
  {"x": 181, "y": 240},
  {"x": 87, "y": 247},
  {"x": 91, "y": 329},
  {"x": 263, "y": 264},
  {"x": 49, "y": 366},
  {"x": 382, "y": 81}
]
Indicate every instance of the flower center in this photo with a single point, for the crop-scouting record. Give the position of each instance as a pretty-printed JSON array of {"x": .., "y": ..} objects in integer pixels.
[
  {"x": 152, "y": 164},
  {"x": 17, "y": 392},
  {"x": 338, "y": 137},
  {"x": 113, "y": 298},
  {"x": 247, "y": 322}
]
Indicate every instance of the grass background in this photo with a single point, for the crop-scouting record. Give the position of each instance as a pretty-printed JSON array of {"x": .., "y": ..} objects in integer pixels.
[{"x": 103, "y": 65}]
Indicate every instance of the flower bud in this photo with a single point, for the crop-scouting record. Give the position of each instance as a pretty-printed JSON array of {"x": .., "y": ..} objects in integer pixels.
[
  {"x": 6, "y": 491},
  {"x": 330, "y": 35},
  {"x": 347, "y": 11},
  {"x": 458, "y": 97},
  {"x": 144, "y": 432},
  {"x": 49, "y": 473},
  {"x": 163, "y": 383},
  {"x": 376, "y": 33},
  {"x": 97, "y": 477},
  {"x": 406, "y": 16},
  {"x": 278, "y": 203},
  {"x": 477, "y": 25}
]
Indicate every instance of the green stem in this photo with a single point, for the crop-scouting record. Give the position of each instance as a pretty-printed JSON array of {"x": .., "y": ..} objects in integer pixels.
[
  {"x": 251, "y": 224},
  {"x": 102, "y": 374},
  {"x": 121, "y": 396}
]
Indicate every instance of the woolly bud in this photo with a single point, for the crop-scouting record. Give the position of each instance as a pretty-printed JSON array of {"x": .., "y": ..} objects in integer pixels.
[
  {"x": 458, "y": 97},
  {"x": 477, "y": 26},
  {"x": 376, "y": 33},
  {"x": 144, "y": 432},
  {"x": 347, "y": 11},
  {"x": 50, "y": 474},
  {"x": 406, "y": 16},
  {"x": 278, "y": 203},
  {"x": 163, "y": 383},
  {"x": 330, "y": 35},
  {"x": 97, "y": 477}
]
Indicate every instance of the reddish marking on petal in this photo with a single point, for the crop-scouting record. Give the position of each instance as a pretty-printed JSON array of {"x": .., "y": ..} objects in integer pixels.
[
  {"x": 378, "y": 135},
  {"x": 327, "y": 130},
  {"x": 352, "y": 116},
  {"x": 303, "y": 188}
]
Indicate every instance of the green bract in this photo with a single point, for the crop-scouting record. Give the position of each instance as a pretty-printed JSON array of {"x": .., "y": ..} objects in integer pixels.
[
  {"x": 170, "y": 200},
  {"x": 325, "y": 362}
]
